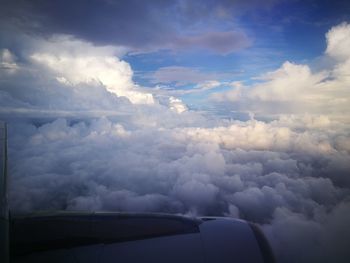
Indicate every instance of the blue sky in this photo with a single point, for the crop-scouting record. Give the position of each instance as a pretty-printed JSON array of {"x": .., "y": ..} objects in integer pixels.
[
  {"x": 161, "y": 31},
  {"x": 282, "y": 31},
  {"x": 285, "y": 31},
  {"x": 187, "y": 49}
]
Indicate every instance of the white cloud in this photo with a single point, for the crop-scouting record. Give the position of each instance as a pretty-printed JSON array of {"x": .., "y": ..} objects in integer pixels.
[
  {"x": 290, "y": 173},
  {"x": 295, "y": 89},
  {"x": 289, "y": 83},
  {"x": 338, "y": 42},
  {"x": 177, "y": 105},
  {"x": 76, "y": 62},
  {"x": 64, "y": 77}
]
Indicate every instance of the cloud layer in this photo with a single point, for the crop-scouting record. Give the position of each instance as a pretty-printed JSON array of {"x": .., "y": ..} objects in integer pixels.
[
  {"x": 138, "y": 26},
  {"x": 283, "y": 177},
  {"x": 84, "y": 136}
]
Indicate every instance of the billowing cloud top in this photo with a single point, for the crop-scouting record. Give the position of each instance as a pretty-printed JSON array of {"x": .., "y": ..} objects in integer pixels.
[
  {"x": 295, "y": 88},
  {"x": 85, "y": 136},
  {"x": 338, "y": 42},
  {"x": 75, "y": 62}
]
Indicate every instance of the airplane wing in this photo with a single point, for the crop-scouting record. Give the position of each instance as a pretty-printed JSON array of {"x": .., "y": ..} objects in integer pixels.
[{"x": 124, "y": 237}]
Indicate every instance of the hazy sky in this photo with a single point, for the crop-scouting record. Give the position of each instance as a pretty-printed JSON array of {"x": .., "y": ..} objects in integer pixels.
[{"x": 225, "y": 108}]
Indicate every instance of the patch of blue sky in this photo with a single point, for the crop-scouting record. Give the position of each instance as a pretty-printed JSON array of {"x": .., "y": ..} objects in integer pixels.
[{"x": 293, "y": 31}]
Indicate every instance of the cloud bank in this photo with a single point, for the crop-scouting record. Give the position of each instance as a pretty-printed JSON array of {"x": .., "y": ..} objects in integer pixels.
[
  {"x": 84, "y": 136},
  {"x": 292, "y": 180}
]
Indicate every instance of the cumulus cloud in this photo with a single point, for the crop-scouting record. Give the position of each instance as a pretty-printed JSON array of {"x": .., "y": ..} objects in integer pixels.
[
  {"x": 323, "y": 234},
  {"x": 64, "y": 77},
  {"x": 177, "y": 105},
  {"x": 295, "y": 88},
  {"x": 277, "y": 174},
  {"x": 338, "y": 42},
  {"x": 77, "y": 62}
]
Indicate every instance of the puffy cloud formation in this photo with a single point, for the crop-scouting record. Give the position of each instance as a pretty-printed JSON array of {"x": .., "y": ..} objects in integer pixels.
[
  {"x": 55, "y": 76},
  {"x": 289, "y": 175},
  {"x": 109, "y": 152},
  {"x": 294, "y": 88},
  {"x": 177, "y": 105},
  {"x": 338, "y": 42},
  {"x": 76, "y": 62}
]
